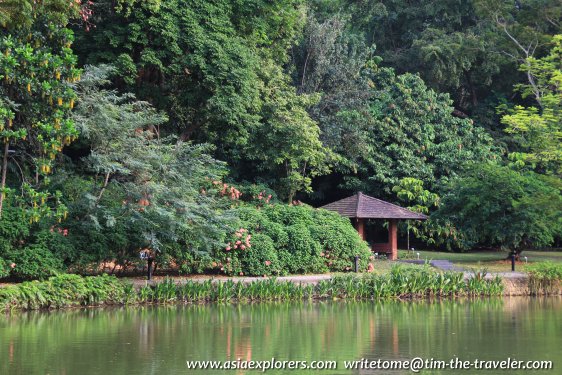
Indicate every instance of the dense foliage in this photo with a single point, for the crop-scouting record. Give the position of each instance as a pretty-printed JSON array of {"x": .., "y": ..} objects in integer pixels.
[
  {"x": 544, "y": 277},
  {"x": 167, "y": 126},
  {"x": 281, "y": 239},
  {"x": 414, "y": 134},
  {"x": 37, "y": 68},
  {"x": 494, "y": 205}
]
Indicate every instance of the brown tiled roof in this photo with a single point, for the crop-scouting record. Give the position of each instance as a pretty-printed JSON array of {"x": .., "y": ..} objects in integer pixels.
[{"x": 366, "y": 207}]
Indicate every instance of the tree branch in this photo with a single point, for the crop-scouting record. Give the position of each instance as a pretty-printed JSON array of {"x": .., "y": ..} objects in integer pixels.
[{"x": 105, "y": 182}]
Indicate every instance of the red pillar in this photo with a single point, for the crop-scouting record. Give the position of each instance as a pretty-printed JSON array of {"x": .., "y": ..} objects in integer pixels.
[
  {"x": 393, "y": 238},
  {"x": 360, "y": 226}
]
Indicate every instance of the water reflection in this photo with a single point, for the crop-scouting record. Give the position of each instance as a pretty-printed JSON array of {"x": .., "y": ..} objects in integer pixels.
[{"x": 149, "y": 340}]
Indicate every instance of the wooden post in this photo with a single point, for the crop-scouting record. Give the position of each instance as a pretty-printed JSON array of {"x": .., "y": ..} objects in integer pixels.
[
  {"x": 393, "y": 238},
  {"x": 360, "y": 226}
]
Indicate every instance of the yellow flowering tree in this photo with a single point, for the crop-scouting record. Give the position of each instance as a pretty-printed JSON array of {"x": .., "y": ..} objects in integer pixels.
[{"x": 37, "y": 73}]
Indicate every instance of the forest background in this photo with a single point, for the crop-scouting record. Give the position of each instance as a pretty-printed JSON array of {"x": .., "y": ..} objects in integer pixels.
[{"x": 195, "y": 129}]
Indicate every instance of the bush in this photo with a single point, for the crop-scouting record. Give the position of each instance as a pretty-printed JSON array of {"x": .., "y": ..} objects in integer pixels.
[
  {"x": 35, "y": 262},
  {"x": 290, "y": 215},
  {"x": 339, "y": 240},
  {"x": 305, "y": 251},
  {"x": 261, "y": 258},
  {"x": 4, "y": 268},
  {"x": 544, "y": 277},
  {"x": 64, "y": 291},
  {"x": 294, "y": 239},
  {"x": 46, "y": 252},
  {"x": 38, "y": 250},
  {"x": 191, "y": 262}
]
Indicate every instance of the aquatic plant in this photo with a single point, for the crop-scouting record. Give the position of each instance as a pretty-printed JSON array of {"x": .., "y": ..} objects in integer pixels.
[
  {"x": 544, "y": 277},
  {"x": 403, "y": 282}
]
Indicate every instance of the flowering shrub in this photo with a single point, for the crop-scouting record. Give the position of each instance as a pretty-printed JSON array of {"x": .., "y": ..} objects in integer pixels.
[
  {"x": 241, "y": 241},
  {"x": 226, "y": 190},
  {"x": 4, "y": 268},
  {"x": 262, "y": 258},
  {"x": 340, "y": 241},
  {"x": 279, "y": 239}
]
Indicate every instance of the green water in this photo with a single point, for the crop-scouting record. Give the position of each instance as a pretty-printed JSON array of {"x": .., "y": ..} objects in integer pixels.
[{"x": 159, "y": 340}]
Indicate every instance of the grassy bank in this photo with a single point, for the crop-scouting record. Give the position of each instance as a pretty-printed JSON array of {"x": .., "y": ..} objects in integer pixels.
[
  {"x": 402, "y": 282},
  {"x": 493, "y": 261}
]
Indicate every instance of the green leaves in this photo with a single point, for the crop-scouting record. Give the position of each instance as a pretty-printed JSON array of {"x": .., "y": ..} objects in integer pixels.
[
  {"x": 539, "y": 130},
  {"x": 413, "y": 134},
  {"x": 290, "y": 240},
  {"x": 38, "y": 70},
  {"x": 411, "y": 191},
  {"x": 497, "y": 206},
  {"x": 146, "y": 185},
  {"x": 286, "y": 143}
]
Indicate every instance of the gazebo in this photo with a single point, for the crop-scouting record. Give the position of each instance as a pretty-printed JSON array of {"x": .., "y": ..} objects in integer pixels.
[{"x": 359, "y": 207}]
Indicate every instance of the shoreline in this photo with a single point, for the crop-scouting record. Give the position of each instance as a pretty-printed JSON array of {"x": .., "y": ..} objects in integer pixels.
[{"x": 72, "y": 291}]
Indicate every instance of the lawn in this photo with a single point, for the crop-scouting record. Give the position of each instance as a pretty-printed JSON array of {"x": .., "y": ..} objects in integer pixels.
[{"x": 494, "y": 261}]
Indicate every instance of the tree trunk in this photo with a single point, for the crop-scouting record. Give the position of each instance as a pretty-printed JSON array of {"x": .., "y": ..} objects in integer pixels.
[
  {"x": 472, "y": 89},
  {"x": 4, "y": 171},
  {"x": 517, "y": 254}
]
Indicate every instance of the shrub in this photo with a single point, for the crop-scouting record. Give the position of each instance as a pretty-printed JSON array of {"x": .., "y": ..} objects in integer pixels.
[
  {"x": 305, "y": 251},
  {"x": 35, "y": 262},
  {"x": 64, "y": 291},
  {"x": 294, "y": 239},
  {"x": 277, "y": 232},
  {"x": 191, "y": 262},
  {"x": 4, "y": 268},
  {"x": 544, "y": 277},
  {"x": 339, "y": 240},
  {"x": 261, "y": 258},
  {"x": 290, "y": 215},
  {"x": 19, "y": 239}
]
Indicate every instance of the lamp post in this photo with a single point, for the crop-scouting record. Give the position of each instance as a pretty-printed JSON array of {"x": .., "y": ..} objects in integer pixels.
[
  {"x": 145, "y": 255},
  {"x": 513, "y": 261}
]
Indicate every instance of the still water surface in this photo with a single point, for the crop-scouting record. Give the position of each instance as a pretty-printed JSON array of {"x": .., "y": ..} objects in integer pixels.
[{"x": 159, "y": 340}]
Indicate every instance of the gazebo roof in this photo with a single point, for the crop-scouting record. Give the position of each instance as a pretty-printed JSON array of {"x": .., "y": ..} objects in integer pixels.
[{"x": 365, "y": 207}]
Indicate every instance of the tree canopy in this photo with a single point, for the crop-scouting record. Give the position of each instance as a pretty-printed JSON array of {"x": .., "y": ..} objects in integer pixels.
[
  {"x": 164, "y": 125},
  {"x": 496, "y": 206}
]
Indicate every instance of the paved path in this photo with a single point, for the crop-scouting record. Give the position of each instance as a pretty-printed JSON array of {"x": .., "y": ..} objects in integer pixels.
[
  {"x": 444, "y": 265},
  {"x": 447, "y": 265}
]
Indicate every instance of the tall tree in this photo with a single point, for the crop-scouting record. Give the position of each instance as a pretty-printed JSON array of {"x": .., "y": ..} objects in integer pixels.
[
  {"x": 38, "y": 69},
  {"x": 539, "y": 128},
  {"x": 414, "y": 134},
  {"x": 497, "y": 206},
  {"x": 286, "y": 145},
  {"x": 215, "y": 68},
  {"x": 150, "y": 187},
  {"x": 329, "y": 62},
  {"x": 195, "y": 59}
]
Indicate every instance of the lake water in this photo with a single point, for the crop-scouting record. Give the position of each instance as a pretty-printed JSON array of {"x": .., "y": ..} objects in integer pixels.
[{"x": 160, "y": 339}]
